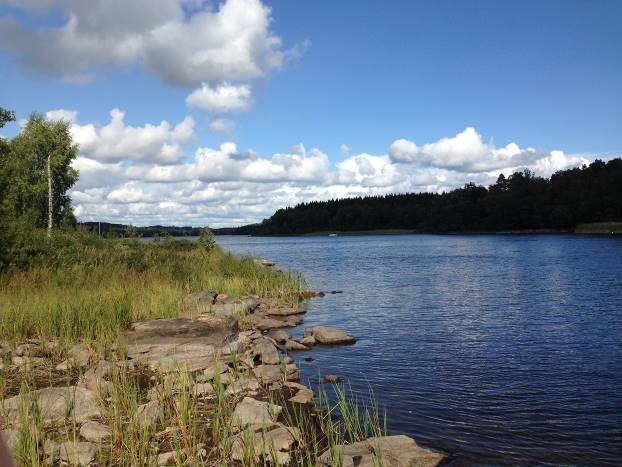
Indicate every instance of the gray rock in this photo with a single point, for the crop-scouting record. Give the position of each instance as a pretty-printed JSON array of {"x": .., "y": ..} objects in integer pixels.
[
  {"x": 280, "y": 336},
  {"x": 51, "y": 450},
  {"x": 149, "y": 413},
  {"x": 266, "y": 350},
  {"x": 30, "y": 350},
  {"x": 78, "y": 453},
  {"x": 200, "y": 302},
  {"x": 255, "y": 414},
  {"x": 273, "y": 445},
  {"x": 167, "y": 458},
  {"x": 329, "y": 336},
  {"x": 268, "y": 374},
  {"x": 284, "y": 311},
  {"x": 291, "y": 345},
  {"x": 331, "y": 379},
  {"x": 56, "y": 403},
  {"x": 167, "y": 344},
  {"x": 309, "y": 341},
  {"x": 241, "y": 385},
  {"x": 95, "y": 379},
  {"x": 79, "y": 356},
  {"x": 303, "y": 396},
  {"x": 263, "y": 262},
  {"x": 389, "y": 451},
  {"x": 11, "y": 438},
  {"x": 95, "y": 432}
]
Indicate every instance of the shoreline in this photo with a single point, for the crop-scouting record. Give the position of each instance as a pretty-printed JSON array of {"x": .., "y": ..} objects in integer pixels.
[{"x": 216, "y": 382}]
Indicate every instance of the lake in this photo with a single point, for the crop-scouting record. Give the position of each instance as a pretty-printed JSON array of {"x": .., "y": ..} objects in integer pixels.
[{"x": 498, "y": 349}]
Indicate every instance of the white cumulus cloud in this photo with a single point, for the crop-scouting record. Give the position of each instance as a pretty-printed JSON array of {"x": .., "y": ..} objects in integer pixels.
[{"x": 222, "y": 98}]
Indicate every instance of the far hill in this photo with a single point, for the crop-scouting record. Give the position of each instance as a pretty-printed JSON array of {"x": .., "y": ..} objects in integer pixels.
[{"x": 521, "y": 202}]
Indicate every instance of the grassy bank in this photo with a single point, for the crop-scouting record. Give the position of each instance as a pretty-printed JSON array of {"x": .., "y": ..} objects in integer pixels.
[
  {"x": 79, "y": 287},
  {"x": 600, "y": 228}
]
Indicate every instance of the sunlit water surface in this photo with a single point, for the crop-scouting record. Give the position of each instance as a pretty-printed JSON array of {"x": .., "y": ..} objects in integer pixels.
[{"x": 497, "y": 349}]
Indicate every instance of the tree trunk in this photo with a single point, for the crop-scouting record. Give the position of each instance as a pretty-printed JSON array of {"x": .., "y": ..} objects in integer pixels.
[{"x": 50, "y": 204}]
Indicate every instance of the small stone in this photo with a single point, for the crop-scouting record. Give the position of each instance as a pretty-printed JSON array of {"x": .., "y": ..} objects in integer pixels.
[
  {"x": 78, "y": 453},
  {"x": 254, "y": 413},
  {"x": 11, "y": 438},
  {"x": 149, "y": 413},
  {"x": 29, "y": 350},
  {"x": 95, "y": 432},
  {"x": 203, "y": 389},
  {"x": 79, "y": 356},
  {"x": 309, "y": 341},
  {"x": 167, "y": 458},
  {"x": 267, "y": 351},
  {"x": 244, "y": 384},
  {"x": 51, "y": 449},
  {"x": 303, "y": 396},
  {"x": 291, "y": 345},
  {"x": 65, "y": 365},
  {"x": 331, "y": 379},
  {"x": 280, "y": 336}
]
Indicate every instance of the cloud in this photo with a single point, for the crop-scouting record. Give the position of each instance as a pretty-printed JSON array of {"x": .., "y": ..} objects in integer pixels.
[
  {"x": 466, "y": 152},
  {"x": 183, "y": 42},
  {"x": 220, "y": 125},
  {"x": 117, "y": 141},
  {"x": 221, "y": 99},
  {"x": 127, "y": 174}
]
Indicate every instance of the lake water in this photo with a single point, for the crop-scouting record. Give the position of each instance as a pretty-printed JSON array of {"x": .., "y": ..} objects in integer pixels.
[{"x": 498, "y": 349}]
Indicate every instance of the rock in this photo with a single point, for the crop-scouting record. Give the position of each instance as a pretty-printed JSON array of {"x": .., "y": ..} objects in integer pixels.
[
  {"x": 303, "y": 396},
  {"x": 329, "y": 336},
  {"x": 263, "y": 262},
  {"x": 203, "y": 389},
  {"x": 254, "y": 413},
  {"x": 29, "y": 361},
  {"x": 266, "y": 351},
  {"x": 200, "y": 302},
  {"x": 95, "y": 432},
  {"x": 78, "y": 453},
  {"x": 167, "y": 344},
  {"x": 295, "y": 346},
  {"x": 263, "y": 323},
  {"x": 331, "y": 379},
  {"x": 51, "y": 449},
  {"x": 285, "y": 311},
  {"x": 56, "y": 403},
  {"x": 11, "y": 438},
  {"x": 65, "y": 365},
  {"x": 389, "y": 451},
  {"x": 149, "y": 413},
  {"x": 79, "y": 356},
  {"x": 308, "y": 341},
  {"x": 273, "y": 445},
  {"x": 243, "y": 384},
  {"x": 268, "y": 374},
  {"x": 287, "y": 360},
  {"x": 94, "y": 379},
  {"x": 167, "y": 458},
  {"x": 29, "y": 350},
  {"x": 280, "y": 336}
]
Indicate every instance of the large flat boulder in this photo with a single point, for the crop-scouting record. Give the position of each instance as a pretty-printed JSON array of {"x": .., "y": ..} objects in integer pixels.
[
  {"x": 255, "y": 414},
  {"x": 329, "y": 336},
  {"x": 389, "y": 451},
  {"x": 167, "y": 344},
  {"x": 57, "y": 404}
]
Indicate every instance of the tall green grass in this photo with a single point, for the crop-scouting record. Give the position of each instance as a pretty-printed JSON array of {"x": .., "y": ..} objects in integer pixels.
[{"x": 78, "y": 287}]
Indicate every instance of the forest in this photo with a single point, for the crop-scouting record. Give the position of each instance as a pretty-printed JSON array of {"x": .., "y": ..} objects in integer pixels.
[{"x": 520, "y": 202}]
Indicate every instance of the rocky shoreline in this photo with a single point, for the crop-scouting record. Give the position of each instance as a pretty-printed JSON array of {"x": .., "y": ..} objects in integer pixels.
[{"x": 221, "y": 350}]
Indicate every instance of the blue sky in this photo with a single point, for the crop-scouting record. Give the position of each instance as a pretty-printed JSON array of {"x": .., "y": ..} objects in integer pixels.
[{"x": 425, "y": 95}]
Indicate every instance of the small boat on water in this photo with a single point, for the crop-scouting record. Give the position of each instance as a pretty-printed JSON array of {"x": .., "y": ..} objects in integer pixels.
[{"x": 332, "y": 234}]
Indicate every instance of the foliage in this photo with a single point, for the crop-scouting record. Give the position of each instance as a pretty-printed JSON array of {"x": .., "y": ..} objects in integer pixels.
[
  {"x": 521, "y": 201},
  {"x": 24, "y": 182},
  {"x": 79, "y": 286},
  {"x": 207, "y": 239}
]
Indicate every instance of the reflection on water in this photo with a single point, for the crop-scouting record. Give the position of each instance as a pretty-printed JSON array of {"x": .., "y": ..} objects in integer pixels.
[{"x": 499, "y": 349}]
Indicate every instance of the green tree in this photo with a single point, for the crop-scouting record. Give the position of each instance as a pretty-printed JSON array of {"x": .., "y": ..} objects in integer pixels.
[{"x": 37, "y": 165}]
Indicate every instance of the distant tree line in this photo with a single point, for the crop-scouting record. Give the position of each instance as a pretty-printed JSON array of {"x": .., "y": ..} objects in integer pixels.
[
  {"x": 107, "y": 229},
  {"x": 521, "y": 201}
]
